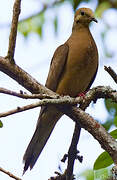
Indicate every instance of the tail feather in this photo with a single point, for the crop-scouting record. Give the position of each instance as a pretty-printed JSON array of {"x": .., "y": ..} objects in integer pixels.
[{"x": 46, "y": 124}]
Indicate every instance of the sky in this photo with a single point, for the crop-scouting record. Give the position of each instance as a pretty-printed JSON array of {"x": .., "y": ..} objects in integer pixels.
[{"x": 34, "y": 56}]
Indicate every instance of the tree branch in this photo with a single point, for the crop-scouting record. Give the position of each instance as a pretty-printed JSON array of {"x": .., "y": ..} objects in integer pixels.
[
  {"x": 24, "y": 95},
  {"x": 9, "y": 174},
  {"x": 79, "y": 116},
  {"x": 13, "y": 33},
  {"x": 93, "y": 127},
  {"x": 22, "y": 77},
  {"x": 65, "y": 100},
  {"x": 73, "y": 153},
  {"x": 92, "y": 95},
  {"x": 111, "y": 72}
]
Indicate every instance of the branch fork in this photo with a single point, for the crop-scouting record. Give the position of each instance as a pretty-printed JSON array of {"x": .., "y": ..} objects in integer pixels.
[{"x": 66, "y": 105}]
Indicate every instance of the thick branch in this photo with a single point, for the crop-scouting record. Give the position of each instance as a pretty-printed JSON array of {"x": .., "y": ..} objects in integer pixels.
[
  {"x": 22, "y": 77},
  {"x": 93, "y": 127},
  {"x": 9, "y": 174},
  {"x": 13, "y": 33}
]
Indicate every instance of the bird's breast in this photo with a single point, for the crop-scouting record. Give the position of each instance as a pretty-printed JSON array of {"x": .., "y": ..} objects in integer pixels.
[{"x": 80, "y": 67}]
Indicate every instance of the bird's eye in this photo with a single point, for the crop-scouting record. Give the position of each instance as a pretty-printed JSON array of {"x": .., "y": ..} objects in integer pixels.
[{"x": 82, "y": 13}]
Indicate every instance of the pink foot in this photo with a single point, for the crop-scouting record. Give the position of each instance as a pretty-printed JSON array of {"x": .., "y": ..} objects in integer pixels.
[{"x": 82, "y": 94}]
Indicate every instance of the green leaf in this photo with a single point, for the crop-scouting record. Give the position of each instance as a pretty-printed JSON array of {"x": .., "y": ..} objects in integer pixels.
[
  {"x": 23, "y": 27},
  {"x": 102, "y": 174},
  {"x": 104, "y": 160},
  {"x": 39, "y": 31},
  {"x": 88, "y": 174},
  {"x": 32, "y": 25},
  {"x": 111, "y": 106},
  {"x": 114, "y": 133},
  {"x": 1, "y": 124}
]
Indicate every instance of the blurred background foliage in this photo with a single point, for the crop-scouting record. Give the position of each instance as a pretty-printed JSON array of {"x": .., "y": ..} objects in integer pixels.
[{"x": 34, "y": 23}]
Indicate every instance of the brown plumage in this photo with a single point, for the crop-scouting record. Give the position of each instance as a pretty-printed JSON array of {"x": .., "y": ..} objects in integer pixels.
[{"x": 72, "y": 71}]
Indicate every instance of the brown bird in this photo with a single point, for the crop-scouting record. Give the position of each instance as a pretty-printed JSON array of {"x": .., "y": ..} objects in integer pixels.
[{"x": 72, "y": 71}]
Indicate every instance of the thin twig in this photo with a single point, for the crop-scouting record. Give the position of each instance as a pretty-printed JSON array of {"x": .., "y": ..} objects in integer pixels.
[
  {"x": 65, "y": 100},
  {"x": 27, "y": 96},
  {"x": 92, "y": 95},
  {"x": 111, "y": 72},
  {"x": 13, "y": 33},
  {"x": 9, "y": 174}
]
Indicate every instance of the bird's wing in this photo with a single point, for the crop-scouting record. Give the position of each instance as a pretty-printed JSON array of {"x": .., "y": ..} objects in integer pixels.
[
  {"x": 57, "y": 67},
  {"x": 55, "y": 71},
  {"x": 92, "y": 80}
]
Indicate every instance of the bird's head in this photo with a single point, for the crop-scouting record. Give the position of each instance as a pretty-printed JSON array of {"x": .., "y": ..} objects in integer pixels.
[{"x": 84, "y": 16}]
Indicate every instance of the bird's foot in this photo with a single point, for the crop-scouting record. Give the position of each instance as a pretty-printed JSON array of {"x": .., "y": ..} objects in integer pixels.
[{"x": 82, "y": 94}]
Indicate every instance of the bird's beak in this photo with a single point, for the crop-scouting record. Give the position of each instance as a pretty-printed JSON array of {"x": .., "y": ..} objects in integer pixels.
[{"x": 94, "y": 19}]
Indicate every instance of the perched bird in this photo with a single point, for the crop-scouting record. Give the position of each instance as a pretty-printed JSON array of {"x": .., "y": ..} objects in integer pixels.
[{"x": 72, "y": 71}]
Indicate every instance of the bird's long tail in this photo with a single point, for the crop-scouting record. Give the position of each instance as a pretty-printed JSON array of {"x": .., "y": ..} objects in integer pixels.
[{"x": 45, "y": 125}]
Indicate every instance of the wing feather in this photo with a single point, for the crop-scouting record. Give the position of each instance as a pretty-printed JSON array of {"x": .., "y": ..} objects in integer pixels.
[{"x": 57, "y": 67}]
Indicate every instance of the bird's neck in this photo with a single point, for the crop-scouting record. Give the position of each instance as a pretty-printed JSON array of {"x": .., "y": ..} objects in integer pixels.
[{"x": 80, "y": 26}]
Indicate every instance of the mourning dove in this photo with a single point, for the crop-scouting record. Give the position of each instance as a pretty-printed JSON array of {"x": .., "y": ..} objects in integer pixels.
[{"x": 72, "y": 71}]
